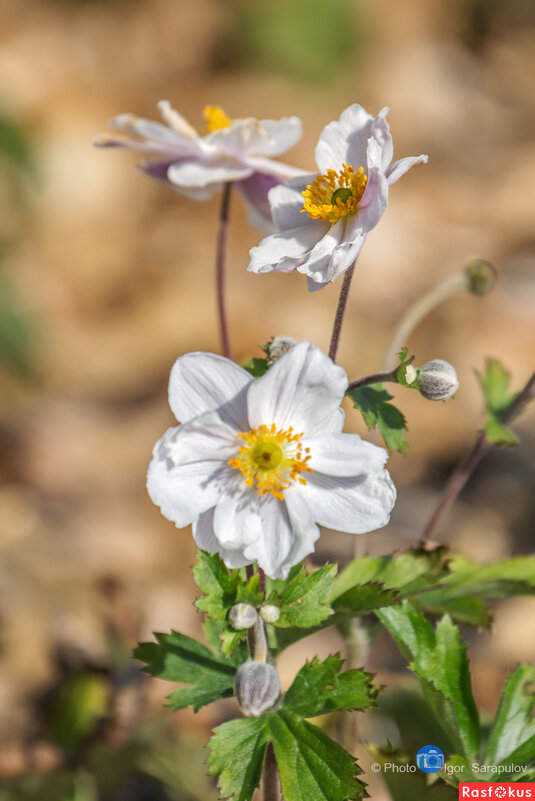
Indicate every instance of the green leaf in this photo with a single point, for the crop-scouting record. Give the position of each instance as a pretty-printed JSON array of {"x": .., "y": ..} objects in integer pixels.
[
  {"x": 401, "y": 372},
  {"x": 219, "y": 585},
  {"x": 469, "y": 611},
  {"x": 512, "y": 737},
  {"x": 495, "y": 383},
  {"x": 229, "y": 640},
  {"x": 237, "y": 751},
  {"x": 439, "y": 660},
  {"x": 312, "y": 766},
  {"x": 466, "y": 579},
  {"x": 256, "y": 367},
  {"x": 301, "y": 599},
  {"x": 388, "y": 578},
  {"x": 373, "y": 403},
  {"x": 319, "y": 687},
  {"x": 179, "y": 658}
]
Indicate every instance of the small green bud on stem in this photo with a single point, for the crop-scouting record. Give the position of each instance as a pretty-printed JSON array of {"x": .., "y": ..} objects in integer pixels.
[
  {"x": 242, "y": 616},
  {"x": 480, "y": 276}
]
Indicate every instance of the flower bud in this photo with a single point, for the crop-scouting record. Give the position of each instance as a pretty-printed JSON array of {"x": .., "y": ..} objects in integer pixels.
[
  {"x": 270, "y": 613},
  {"x": 257, "y": 688},
  {"x": 480, "y": 276},
  {"x": 277, "y": 347},
  {"x": 242, "y": 616},
  {"x": 437, "y": 380}
]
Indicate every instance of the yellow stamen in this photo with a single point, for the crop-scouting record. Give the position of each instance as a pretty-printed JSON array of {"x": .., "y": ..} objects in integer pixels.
[
  {"x": 215, "y": 118},
  {"x": 271, "y": 459},
  {"x": 335, "y": 194}
]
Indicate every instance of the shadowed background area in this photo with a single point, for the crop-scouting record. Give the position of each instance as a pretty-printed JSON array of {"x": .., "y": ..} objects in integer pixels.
[{"x": 106, "y": 277}]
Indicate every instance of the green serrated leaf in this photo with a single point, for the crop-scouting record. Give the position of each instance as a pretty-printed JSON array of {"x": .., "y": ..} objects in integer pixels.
[
  {"x": 256, "y": 367},
  {"x": 312, "y": 766},
  {"x": 250, "y": 593},
  {"x": 237, "y": 751},
  {"x": 373, "y": 403},
  {"x": 219, "y": 585},
  {"x": 365, "y": 598},
  {"x": 179, "y": 658},
  {"x": 302, "y": 598},
  {"x": 319, "y": 687},
  {"x": 512, "y": 737},
  {"x": 230, "y": 640},
  {"x": 469, "y": 611},
  {"x": 439, "y": 660},
  {"x": 495, "y": 383}
]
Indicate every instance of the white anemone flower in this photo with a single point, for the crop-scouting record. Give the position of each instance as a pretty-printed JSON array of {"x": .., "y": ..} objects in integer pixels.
[
  {"x": 257, "y": 465},
  {"x": 232, "y": 151},
  {"x": 322, "y": 220}
]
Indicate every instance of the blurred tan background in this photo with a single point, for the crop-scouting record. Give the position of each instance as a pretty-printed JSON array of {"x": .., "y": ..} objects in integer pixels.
[{"x": 106, "y": 277}]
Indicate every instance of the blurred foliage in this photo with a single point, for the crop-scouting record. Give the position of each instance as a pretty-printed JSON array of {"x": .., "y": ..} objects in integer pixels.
[
  {"x": 485, "y": 19},
  {"x": 308, "y": 40},
  {"x": 16, "y": 333}
]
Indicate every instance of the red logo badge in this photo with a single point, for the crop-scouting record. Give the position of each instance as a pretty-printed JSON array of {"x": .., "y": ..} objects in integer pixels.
[{"x": 487, "y": 790}]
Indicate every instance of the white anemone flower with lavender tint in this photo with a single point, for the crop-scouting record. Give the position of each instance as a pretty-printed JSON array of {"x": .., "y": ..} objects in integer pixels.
[
  {"x": 322, "y": 220},
  {"x": 257, "y": 465},
  {"x": 232, "y": 151}
]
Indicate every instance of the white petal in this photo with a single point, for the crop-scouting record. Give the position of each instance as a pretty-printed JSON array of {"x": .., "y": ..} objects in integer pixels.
[
  {"x": 344, "y": 455},
  {"x": 279, "y": 136},
  {"x": 346, "y": 254},
  {"x": 285, "y": 251},
  {"x": 286, "y": 538},
  {"x": 286, "y": 205},
  {"x": 200, "y": 382},
  {"x": 347, "y": 135},
  {"x": 183, "y": 490},
  {"x": 302, "y": 389},
  {"x": 318, "y": 264},
  {"x": 399, "y": 168},
  {"x": 202, "y": 174},
  {"x": 203, "y": 533},
  {"x": 175, "y": 120},
  {"x": 236, "y": 520},
  {"x": 283, "y": 171},
  {"x": 356, "y": 505}
]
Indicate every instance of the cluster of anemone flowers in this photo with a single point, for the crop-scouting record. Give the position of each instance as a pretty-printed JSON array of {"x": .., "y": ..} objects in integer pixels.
[{"x": 257, "y": 465}]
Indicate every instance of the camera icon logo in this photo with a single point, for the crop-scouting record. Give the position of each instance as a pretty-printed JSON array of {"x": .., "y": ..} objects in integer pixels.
[{"x": 430, "y": 759}]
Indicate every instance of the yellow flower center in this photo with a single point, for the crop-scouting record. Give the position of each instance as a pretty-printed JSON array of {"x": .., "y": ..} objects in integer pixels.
[
  {"x": 271, "y": 459},
  {"x": 335, "y": 194},
  {"x": 215, "y": 118}
]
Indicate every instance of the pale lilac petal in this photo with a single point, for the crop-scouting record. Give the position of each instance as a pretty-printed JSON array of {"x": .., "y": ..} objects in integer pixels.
[
  {"x": 254, "y": 191},
  {"x": 356, "y": 505},
  {"x": 184, "y": 490},
  {"x": 236, "y": 520},
  {"x": 346, "y": 136},
  {"x": 154, "y": 132},
  {"x": 286, "y": 207},
  {"x": 346, "y": 254},
  {"x": 285, "y": 251},
  {"x": 201, "y": 382},
  {"x": 318, "y": 264},
  {"x": 301, "y": 390},
  {"x": 344, "y": 455},
  {"x": 201, "y": 174},
  {"x": 314, "y": 286},
  {"x": 283, "y": 171},
  {"x": 399, "y": 168},
  {"x": 203, "y": 533}
]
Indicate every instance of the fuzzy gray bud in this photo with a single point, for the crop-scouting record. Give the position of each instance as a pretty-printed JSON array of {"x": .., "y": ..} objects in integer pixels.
[
  {"x": 480, "y": 276},
  {"x": 257, "y": 688},
  {"x": 270, "y": 613},
  {"x": 437, "y": 380},
  {"x": 242, "y": 616},
  {"x": 277, "y": 347}
]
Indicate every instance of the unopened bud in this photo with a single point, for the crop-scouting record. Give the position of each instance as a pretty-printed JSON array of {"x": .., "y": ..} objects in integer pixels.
[
  {"x": 277, "y": 347},
  {"x": 480, "y": 276},
  {"x": 411, "y": 373},
  {"x": 257, "y": 688},
  {"x": 437, "y": 380},
  {"x": 242, "y": 616},
  {"x": 270, "y": 613}
]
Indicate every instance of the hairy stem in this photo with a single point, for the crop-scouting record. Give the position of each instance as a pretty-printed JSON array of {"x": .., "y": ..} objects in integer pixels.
[
  {"x": 271, "y": 776},
  {"x": 375, "y": 378},
  {"x": 481, "y": 446},
  {"x": 420, "y": 309},
  {"x": 220, "y": 269},
  {"x": 340, "y": 312}
]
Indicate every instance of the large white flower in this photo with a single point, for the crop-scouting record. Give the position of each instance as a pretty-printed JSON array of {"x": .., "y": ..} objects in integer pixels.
[
  {"x": 322, "y": 220},
  {"x": 257, "y": 464},
  {"x": 237, "y": 151}
]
